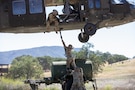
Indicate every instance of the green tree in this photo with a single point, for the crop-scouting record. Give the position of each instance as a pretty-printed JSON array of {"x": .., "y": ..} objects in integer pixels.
[
  {"x": 25, "y": 67},
  {"x": 119, "y": 57},
  {"x": 84, "y": 52},
  {"x": 106, "y": 56},
  {"x": 46, "y": 61},
  {"x": 111, "y": 60},
  {"x": 114, "y": 58},
  {"x": 96, "y": 57},
  {"x": 97, "y": 61}
]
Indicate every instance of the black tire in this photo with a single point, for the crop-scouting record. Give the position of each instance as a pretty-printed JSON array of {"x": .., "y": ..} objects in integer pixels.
[
  {"x": 83, "y": 39},
  {"x": 90, "y": 29}
]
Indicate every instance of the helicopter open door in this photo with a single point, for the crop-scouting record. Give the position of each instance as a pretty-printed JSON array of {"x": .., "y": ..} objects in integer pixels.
[
  {"x": 89, "y": 13},
  {"x": 4, "y": 19},
  {"x": 122, "y": 7},
  {"x": 26, "y": 12}
]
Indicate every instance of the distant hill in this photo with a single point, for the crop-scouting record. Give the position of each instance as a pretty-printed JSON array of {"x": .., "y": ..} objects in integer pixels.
[{"x": 53, "y": 51}]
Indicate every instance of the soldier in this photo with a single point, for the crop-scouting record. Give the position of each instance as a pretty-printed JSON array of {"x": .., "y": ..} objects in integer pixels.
[
  {"x": 67, "y": 6},
  {"x": 78, "y": 81},
  {"x": 68, "y": 51},
  {"x": 74, "y": 4},
  {"x": 52, "y": 18}
]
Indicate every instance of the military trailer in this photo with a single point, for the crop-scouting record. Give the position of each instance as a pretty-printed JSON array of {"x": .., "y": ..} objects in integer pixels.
[{"x": 58, "y": 71}]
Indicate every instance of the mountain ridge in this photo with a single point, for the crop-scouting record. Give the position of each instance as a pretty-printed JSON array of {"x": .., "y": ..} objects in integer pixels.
[{"x": 52, "y": 51}]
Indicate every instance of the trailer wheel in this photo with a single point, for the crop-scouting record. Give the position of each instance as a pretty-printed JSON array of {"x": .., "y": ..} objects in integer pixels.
[
  {"x": 90, "y": 29},
  {"x": 83, "y": 37}
]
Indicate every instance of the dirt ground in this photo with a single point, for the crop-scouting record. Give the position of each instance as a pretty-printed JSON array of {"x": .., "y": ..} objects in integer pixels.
[{"x": 116, "y": 83}]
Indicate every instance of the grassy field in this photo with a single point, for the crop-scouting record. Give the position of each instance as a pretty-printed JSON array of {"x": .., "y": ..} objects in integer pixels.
[
  {"x": 9, "y": 84},
  {"x": 118, "y": 76},
  {"x": 119, "y": 69}
]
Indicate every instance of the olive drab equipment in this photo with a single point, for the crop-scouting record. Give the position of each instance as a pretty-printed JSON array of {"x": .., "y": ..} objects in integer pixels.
[{"x": 58, "y": 71}]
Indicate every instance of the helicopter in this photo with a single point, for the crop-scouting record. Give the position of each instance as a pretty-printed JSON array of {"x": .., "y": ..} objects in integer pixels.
[{"x": 29, "y": 16}]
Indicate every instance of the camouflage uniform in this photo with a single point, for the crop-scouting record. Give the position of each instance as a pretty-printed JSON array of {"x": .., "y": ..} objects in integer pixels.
[
  {"x": 78, "y": 81},
  {"x": 52, "y": 18},
  {"x": 70, "y": 59}
]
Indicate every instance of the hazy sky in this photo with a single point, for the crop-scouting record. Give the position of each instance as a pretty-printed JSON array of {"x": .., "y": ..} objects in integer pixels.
[{"x": 116, "y": 40}]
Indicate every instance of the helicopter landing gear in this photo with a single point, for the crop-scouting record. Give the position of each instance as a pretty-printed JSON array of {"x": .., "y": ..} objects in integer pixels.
[
  {"x": 89, "y": 30},
  {"x": 83, "y": 37}
]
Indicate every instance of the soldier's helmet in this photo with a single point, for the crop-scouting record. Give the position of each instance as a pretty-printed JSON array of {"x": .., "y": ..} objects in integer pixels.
[
  {"x": 55, "y": 12},
  {"x": 70, "y": 46}
]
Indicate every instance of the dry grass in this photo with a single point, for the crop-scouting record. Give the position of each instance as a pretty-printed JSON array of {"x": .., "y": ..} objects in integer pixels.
[
  {"x": 118, "y": 76},
  {"x": 120, "y": 69}
]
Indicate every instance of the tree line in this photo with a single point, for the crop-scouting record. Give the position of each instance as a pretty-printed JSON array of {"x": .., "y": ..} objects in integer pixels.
[{"x": 27, "y": 66}]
